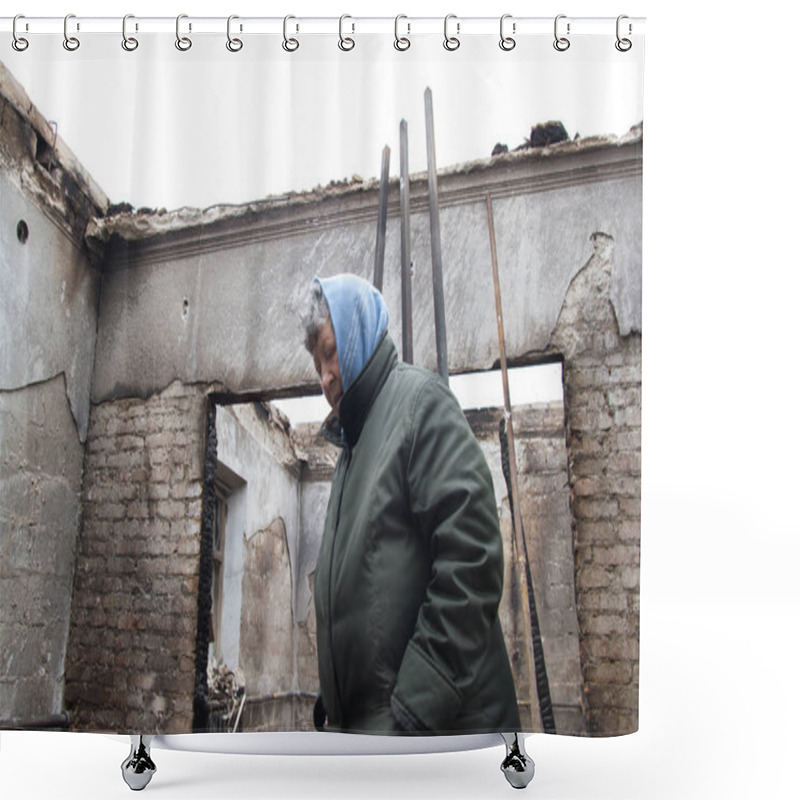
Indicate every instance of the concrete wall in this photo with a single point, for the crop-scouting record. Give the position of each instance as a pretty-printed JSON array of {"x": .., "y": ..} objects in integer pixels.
[
  {"x": 256, "y": 447},
  {"x": 41, "y": 463},
  {"x": 262, "y": 565},
  {"x": 48, "y": 319},
  {"x": 172, "y": 277}
]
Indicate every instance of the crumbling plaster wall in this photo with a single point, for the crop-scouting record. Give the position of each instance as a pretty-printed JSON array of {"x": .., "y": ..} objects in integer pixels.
[
  {"x": 172, "y": 277},
  {"x": 172, "y": 280},
  {"x": 261, "y": 557},
  {"x": 603, "y": 401},
  {"x": 48, "y": 320},
  {"x": 41, "y": 463}
]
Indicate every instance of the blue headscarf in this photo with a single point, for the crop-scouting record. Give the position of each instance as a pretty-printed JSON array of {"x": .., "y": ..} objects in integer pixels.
[{"x": 360, "y": 318}]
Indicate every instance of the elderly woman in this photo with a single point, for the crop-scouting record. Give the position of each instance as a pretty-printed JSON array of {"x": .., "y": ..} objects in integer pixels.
[{"x": 410, "y": 569}]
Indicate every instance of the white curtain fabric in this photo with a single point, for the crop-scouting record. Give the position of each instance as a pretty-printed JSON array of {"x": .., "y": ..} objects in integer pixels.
[{"x": 161, "y": 128}]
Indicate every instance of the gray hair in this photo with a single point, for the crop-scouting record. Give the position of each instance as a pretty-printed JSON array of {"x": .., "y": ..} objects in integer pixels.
[{"x": 316, "y": 315}]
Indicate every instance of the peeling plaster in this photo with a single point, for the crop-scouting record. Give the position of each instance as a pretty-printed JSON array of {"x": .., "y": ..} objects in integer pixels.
[
  {"x": 258, "y": 258},
  {"x": 48, "y": 284},
  {"x": 142, "y": 224}
]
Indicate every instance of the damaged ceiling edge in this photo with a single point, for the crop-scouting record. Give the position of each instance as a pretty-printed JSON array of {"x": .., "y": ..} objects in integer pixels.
[
  {"x": 129, "y": 225},
  {"x": 49, "y": 172}
]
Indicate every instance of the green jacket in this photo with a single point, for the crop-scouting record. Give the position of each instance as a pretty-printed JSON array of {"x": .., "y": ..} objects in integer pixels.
[{"x": 410, "y": 569}]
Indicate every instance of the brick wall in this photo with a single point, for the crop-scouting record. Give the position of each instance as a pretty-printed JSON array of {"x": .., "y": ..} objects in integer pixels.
[
  {"x": 602, "y": 397},
  {"x": 130, "y": 663},
  {"x": 542, "y": 477}
]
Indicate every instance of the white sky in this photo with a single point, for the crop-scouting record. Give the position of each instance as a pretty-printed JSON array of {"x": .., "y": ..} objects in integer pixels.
[
  {"x": 540, "y": 383},
  {"x": 206, "y": 126}
]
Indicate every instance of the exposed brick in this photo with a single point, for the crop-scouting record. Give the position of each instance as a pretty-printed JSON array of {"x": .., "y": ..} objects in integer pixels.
[
  {"x": 608, "y": 695},
  {"x": 610, "y": 672},
  {"x": 630, "y": 508},
  {"x": 628, "y": 417},
  {"x": 603, "y": 601},
  {"x": 622, "y": 555},
  {"x": 614, "y": 648},
  {"x": 602, "y": 377},
  {"x": 591, "y": 508},
  {"x": 626, "y": 397},
  {"x": 584, "y": 466},
  {"x": 586, "y": 419},
  {"x": 626, "y": 375},
  {"x": 630, "y": 577},
  {"x": 138, "y": 553},
  {"x": 626, "y": 463},
  {"x": 593, "y": 576},
  {"x": 630, "y": 530}
]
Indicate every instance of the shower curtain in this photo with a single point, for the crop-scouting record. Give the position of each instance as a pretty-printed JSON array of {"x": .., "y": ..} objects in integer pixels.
[{"x": 170, "y": 187}]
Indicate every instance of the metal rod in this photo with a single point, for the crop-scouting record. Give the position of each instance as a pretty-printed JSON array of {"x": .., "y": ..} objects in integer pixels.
[
  {"x": 383, "y": 209},
  {"x": 405, "y": 247},
  {"x": 518, "y": 540},
  {"x": 436, "y": 242}
]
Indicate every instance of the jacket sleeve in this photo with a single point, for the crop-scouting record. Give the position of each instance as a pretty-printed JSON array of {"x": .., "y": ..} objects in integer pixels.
[{"x": 453, "y": 505}]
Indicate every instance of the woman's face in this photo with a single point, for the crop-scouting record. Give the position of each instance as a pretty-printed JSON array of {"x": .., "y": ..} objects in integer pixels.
[{"x": 326, "y": 363}]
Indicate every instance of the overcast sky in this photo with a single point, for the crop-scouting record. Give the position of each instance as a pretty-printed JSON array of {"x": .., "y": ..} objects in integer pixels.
[{"x": 206, "y": 126}]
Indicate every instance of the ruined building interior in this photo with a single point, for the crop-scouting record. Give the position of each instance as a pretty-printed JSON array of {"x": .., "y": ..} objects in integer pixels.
[{"x": 159, "y": 514}]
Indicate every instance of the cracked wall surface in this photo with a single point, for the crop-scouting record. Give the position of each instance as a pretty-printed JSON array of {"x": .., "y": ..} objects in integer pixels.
[
  {"x": 603, "y": 402},
  {"x": 49, "y": 286},
  {"x": 41, "y": 463},
  {"x": 159, "y": 285}
]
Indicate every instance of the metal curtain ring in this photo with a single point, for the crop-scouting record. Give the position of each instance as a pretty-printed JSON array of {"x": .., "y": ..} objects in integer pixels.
[
  {"x": 345, "y": 42},
  {"x": 289, "y": 44},
  {"x": 623, "y": 45},
  {"x": 506, "y": 42},
  {"x": 234, "y": 45},
  {"x": 451, "y": 42},
  {"x": 401, "y": 42},
  {"x": 128, "y": 42},
  {"x": 561, "y": 43},
  {"x": 71, "y": 43},
  {"x": 19, "y": 43},
  {"x": 183, "y": 43}
]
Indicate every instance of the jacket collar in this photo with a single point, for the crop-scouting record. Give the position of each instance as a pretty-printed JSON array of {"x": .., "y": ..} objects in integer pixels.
[{"x": 358, "y": 399}]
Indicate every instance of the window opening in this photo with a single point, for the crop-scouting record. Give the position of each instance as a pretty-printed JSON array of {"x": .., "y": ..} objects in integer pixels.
[{"x": 528, "y": 385}]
